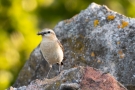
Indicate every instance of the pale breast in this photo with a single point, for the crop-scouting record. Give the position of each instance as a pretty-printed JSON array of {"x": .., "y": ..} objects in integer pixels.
[{"x": 51, "y": 52}]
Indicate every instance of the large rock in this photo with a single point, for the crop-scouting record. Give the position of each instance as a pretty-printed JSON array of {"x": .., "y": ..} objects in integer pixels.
[
  {"x": 96, "y": 37},
  {"x": 78, "y": 78}
]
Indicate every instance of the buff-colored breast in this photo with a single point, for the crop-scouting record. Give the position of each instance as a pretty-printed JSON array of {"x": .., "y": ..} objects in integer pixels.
[{"x": 51, "y": 51}]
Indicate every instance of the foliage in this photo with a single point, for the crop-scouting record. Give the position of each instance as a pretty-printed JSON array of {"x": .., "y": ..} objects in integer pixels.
[{"x": 20, "y": 20}]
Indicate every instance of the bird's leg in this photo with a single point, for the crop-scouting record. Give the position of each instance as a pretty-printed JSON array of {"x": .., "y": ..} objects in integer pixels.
[
  {"x": 59, "y": 68},
  {"x": 49, "y": 71}
]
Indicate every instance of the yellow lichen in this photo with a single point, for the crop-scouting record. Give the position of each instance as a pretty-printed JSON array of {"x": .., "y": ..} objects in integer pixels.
[
  {"x": 110, "y": 17},
  {"x": 124, "y": 24},
  {"x": 98, "y": 61},
  {"x": 121, "y": 54},
  {"x": 96, "y": 22},
  {"x": 118, "y": 26},
  {"x": 92, "y": 54},
  {"x": 118, "y": 43}
]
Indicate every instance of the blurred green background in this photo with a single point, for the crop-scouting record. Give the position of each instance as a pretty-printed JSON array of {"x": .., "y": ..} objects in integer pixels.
[{"x": 20, "y": 20}]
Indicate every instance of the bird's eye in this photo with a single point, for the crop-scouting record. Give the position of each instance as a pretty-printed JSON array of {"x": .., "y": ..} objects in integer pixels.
[{"x": 49, "y": 32}]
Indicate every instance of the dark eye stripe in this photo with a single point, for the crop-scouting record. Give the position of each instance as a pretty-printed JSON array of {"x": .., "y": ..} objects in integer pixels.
[{"x": 46, "y": 32}]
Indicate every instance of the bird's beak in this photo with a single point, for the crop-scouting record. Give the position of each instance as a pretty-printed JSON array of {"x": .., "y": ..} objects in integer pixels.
[{"x": 40, "y": 33}]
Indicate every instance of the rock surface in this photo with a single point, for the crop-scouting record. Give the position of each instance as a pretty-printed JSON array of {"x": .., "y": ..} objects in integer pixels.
[
  {"x": 78, "y": 78},
  {"x": 96, "y": 37}
]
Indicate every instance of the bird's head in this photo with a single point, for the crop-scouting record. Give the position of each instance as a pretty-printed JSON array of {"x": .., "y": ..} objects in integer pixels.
[{"x": 47, "y": 33}]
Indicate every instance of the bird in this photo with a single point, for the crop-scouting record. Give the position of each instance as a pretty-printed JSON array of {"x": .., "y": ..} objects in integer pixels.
[{"x": 51, "y": 48}]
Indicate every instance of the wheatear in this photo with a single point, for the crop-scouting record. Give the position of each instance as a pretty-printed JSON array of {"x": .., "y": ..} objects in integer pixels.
[{"x": 51, "y": 48}]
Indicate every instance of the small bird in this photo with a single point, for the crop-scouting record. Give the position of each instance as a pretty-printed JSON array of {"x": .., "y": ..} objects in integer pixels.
[{"x": 51, "y": 48}]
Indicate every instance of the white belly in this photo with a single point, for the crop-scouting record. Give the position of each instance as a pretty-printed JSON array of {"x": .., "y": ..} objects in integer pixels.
[{"x": 52, "y": 52}]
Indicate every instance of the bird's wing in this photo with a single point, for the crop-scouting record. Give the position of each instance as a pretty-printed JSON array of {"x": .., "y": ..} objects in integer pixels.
[
  {"x": 60, "y": 45},
  {"x": 62, "y": 50}
]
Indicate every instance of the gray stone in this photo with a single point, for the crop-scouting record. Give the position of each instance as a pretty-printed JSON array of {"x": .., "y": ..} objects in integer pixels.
[
  {"x": 78, "y": 78},
  {"x": 109, "y": 46},
  {"x": 96, "y": 37}
]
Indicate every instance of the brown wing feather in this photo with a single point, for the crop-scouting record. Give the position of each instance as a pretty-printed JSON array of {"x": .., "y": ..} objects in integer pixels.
[
  {"x": 62, "y": 50},
  {"x": 60, "y": 45}
]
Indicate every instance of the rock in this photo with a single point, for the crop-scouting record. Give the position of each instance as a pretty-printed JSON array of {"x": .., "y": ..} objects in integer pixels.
[
  {"x": 95, "y": 80},
  {"x": 96, "y": 37},
  {"x": 100, "y": 38},
  {"x": 35, "y": 68},
  {"x": 78, "y": 78}
]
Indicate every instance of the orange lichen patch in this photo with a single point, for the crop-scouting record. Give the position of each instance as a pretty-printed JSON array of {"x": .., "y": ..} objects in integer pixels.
[
  {"x": 118, "y": 43},
  {"x": 98, "y": 61},
  {"x": 96, "y": 22},
  {"x": 124, "y": 24},
  {"x": 118, "y": 26},
  {"x": 110, "y": 17},
  {"x": 121, "y": 54},
  {"x": 92, "y": 54}
]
